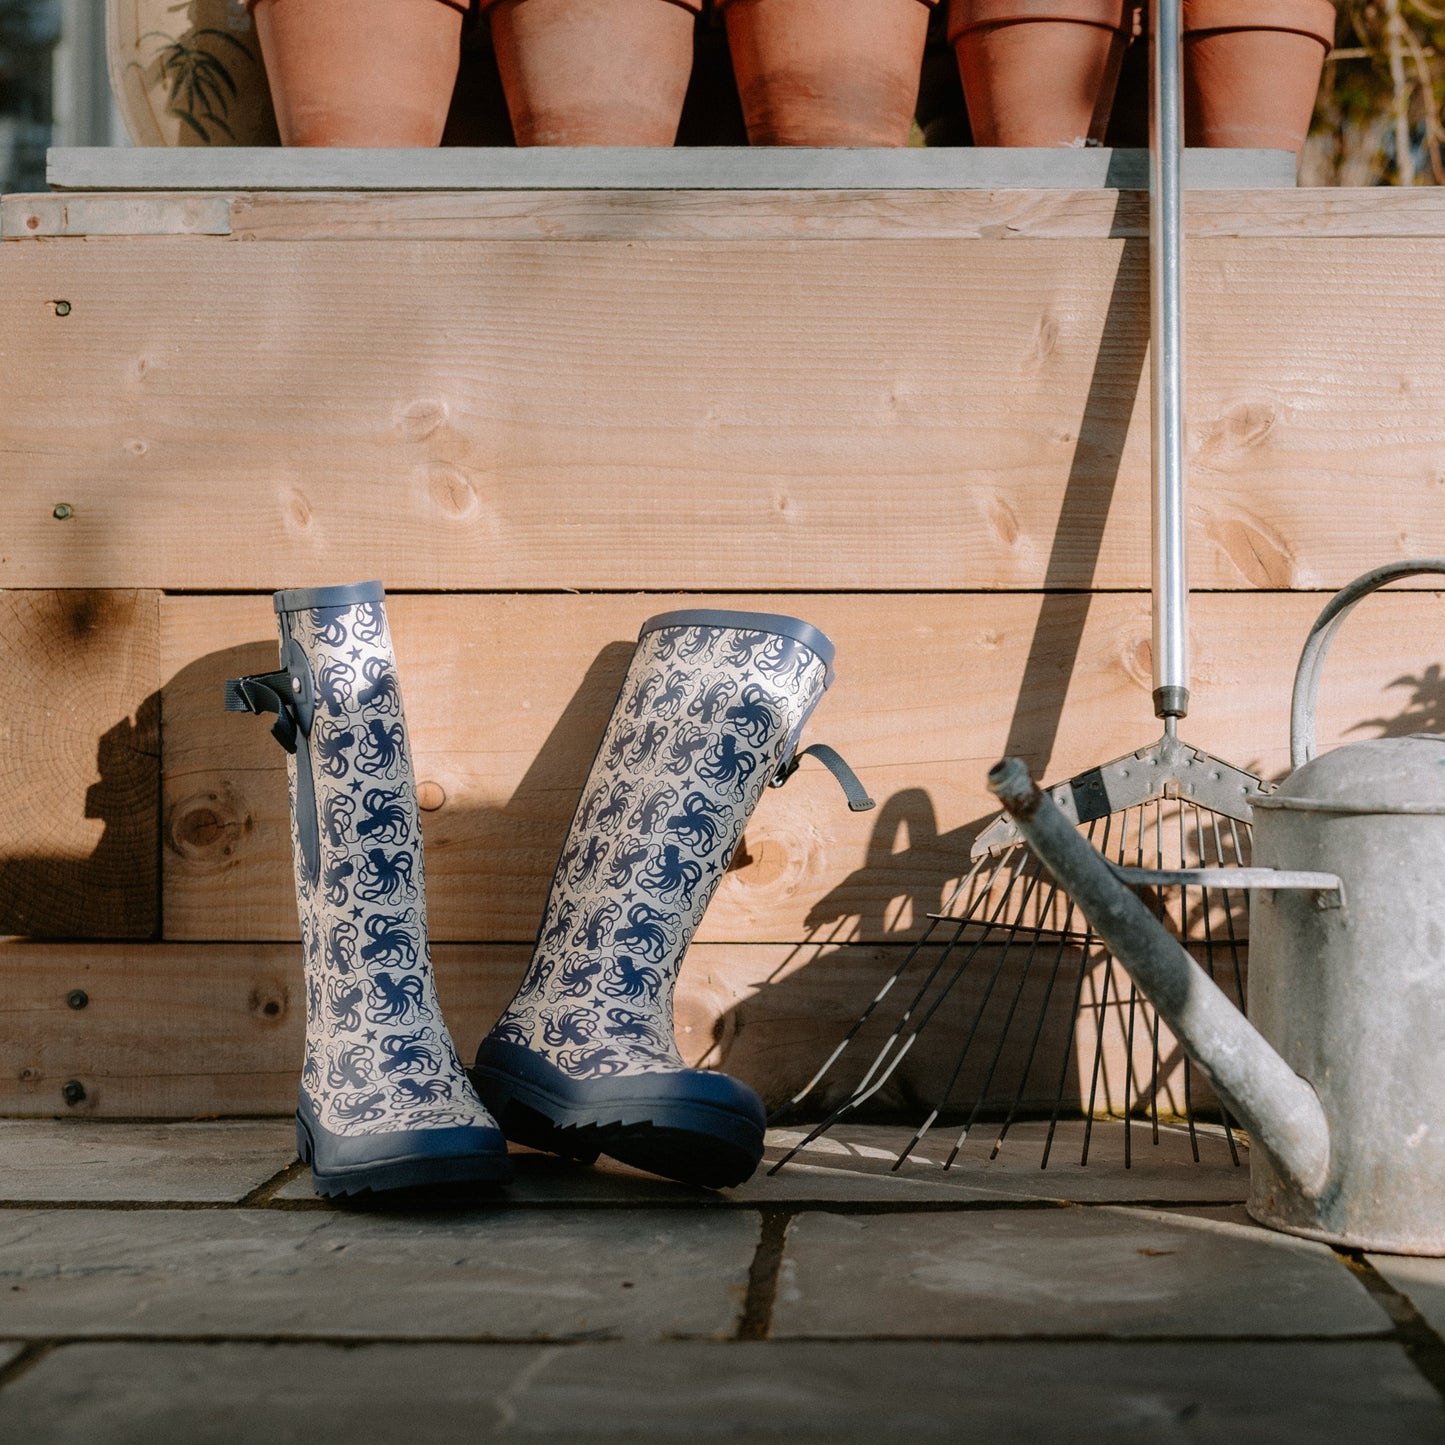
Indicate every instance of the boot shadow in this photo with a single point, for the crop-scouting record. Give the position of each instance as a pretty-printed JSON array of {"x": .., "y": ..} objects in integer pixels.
[{"x": 114, "y": 893}]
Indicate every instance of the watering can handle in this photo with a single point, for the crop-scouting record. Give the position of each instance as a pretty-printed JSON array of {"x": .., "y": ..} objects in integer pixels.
[{"x": 1317, "y": 645}]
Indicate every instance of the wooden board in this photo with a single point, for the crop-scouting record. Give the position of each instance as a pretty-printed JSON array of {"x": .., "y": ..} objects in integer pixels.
[
  {"x": 176, "y": 1031},
  {"x": 507, "y": 696},
  {"x": 80, "y": 764},
  {"x": 597, "y": 215},
  {"x": 773, "y": 416},
  {"x": 776, "y": 215}
]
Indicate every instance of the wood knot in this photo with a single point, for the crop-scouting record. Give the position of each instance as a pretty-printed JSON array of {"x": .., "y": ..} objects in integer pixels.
[
  {"x": 207, "y": 828},
  {"x": 1003, "y": 521},
  {"x": 762, "y": 863},
  {"x": 1247, "y": 424},
  {"x": 1045, "y": 339},
  {"x": 83, "y": 613},
  {"x": 419, "y": 419},
  {"x": 269, "y": 1002},
  {"x": 298, "y": 511},
  {"x": 451, "y": 490},
  {"x": 1136, "y": 655},
  {"x": 1259, "y": 555}
]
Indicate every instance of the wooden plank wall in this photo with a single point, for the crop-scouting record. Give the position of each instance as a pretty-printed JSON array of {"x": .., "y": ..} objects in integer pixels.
[{"x": 918, "y": 420}]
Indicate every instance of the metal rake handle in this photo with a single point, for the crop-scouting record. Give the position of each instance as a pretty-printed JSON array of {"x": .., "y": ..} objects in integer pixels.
[{"x": 1169, "y": 569}]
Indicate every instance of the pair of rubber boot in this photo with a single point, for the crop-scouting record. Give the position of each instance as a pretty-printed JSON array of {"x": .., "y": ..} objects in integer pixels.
[{"x": 583, "y": 1061}]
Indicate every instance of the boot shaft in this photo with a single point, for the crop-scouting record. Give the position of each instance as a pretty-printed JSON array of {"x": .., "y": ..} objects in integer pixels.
[
  {"x": 378, "y": 1057},
  {"x": 708, "y": 715}
]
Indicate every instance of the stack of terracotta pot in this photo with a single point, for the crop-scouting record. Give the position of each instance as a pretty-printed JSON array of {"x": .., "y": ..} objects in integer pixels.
[{"x": 809, "y": 72}]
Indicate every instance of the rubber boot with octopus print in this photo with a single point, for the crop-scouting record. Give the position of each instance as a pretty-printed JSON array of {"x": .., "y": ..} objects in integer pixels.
[
  {"x": 384, "y": 1101},
  {"x": 583, "y": 1060}
]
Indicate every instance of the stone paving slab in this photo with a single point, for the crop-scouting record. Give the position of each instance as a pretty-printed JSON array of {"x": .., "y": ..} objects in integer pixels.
[
  {"x": 278, "y": 1273},
  {"x": 55, "y": 1160},
  {"x": 1103, "y": 1271},
  {"x": 1349, "y": 1393},
  {"x": 853, "y": 1164},
  {"x": 1422, "y": 1281}
]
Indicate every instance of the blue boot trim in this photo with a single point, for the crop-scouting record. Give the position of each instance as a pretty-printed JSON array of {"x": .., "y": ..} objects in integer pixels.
[
  {"x": 693, "y": 1126},
  {"x": 304, "y": 599},
  {"x": 402, "y": 1159},
  {"x": 784, "y": 626}
]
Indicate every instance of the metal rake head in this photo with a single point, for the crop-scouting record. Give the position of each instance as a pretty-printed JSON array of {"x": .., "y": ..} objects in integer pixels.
[{"x": 1040, "y": 1020}]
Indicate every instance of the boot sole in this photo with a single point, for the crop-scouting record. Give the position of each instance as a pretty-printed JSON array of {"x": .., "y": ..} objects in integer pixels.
[
  {"x": 687, "y": 1140},
  {"x": 416, "y": 1171}
]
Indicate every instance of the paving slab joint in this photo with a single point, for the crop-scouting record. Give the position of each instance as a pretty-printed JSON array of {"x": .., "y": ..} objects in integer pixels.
[
  {"x": 1421, "y": 1343},
  {"x": 757, "y": 1315},
  {"x": 264, "y": 1193}
]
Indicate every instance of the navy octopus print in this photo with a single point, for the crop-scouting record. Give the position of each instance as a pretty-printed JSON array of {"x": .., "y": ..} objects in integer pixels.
[
  {"x": 378, "y": 1057},
  {"x": 705, "y": 717}
]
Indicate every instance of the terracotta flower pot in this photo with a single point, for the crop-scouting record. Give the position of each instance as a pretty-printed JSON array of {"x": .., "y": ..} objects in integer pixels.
[
  {"x": 1252, "y": 68},
  {"x": 1039, "y": 72},
  {"x": 594, "y": 72},
  {"x": 360, "y": 72},
  {"x": 827, "y": 72}
]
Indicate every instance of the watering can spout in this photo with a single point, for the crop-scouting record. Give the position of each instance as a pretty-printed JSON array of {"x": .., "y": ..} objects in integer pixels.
[{"x": 1280, "y": 1109}]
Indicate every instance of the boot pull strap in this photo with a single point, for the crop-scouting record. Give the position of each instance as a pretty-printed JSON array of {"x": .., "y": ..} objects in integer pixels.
[
  {"x": 266, "y": 692},
  {"x": 853, "y": 790}
]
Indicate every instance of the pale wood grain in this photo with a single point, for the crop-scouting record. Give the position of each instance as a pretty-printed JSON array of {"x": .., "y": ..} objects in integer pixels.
[
  {"x": 602, "y": 215},
  {"x": 507, "y": 696},
  {"x": 692, "y": 215},
  {"x": 830, "y": 215},
  {"x": 176, "y": 1031},
  {"x": 927, "y": 414},
  {"x": 79, "y": 764}
]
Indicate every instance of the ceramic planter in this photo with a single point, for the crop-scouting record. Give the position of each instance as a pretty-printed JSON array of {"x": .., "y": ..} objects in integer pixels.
[
  {"x": 827, "y": 72},
  {"x": 1252, "y": 68},
  {"x": 1039, "y": 72},
  {"x": 603, "y": 73},
  {"x": 360, "y": 72},
  {"x": 188, "y": 79}
]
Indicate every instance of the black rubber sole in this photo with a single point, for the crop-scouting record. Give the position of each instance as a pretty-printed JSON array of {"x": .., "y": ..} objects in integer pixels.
[
  {"x": 417, "y": 1171},
  {"x": 689, "y": 1141}
]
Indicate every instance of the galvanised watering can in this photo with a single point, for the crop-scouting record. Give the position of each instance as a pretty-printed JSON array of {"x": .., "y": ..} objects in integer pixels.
[{"x": 1337, "y": 1072}]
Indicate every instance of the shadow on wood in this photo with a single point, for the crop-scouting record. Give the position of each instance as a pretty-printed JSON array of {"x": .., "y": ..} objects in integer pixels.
[{"x": 79, "y": 806}]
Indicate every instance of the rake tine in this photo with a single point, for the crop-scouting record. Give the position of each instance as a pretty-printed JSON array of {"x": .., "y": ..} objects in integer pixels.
[
  {"x": 846, "y": 1107},
  {"x": 1038, "y": 1027},
  {"x": 1012, "y": 931},
  {"x": 863, "y": 1018},
  {"x": 947, "y": 988},
  {"x": 869, "y": 1086},
  {"x": 1008, "y": 1020},
  {"x": 893, "y": 978}
]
